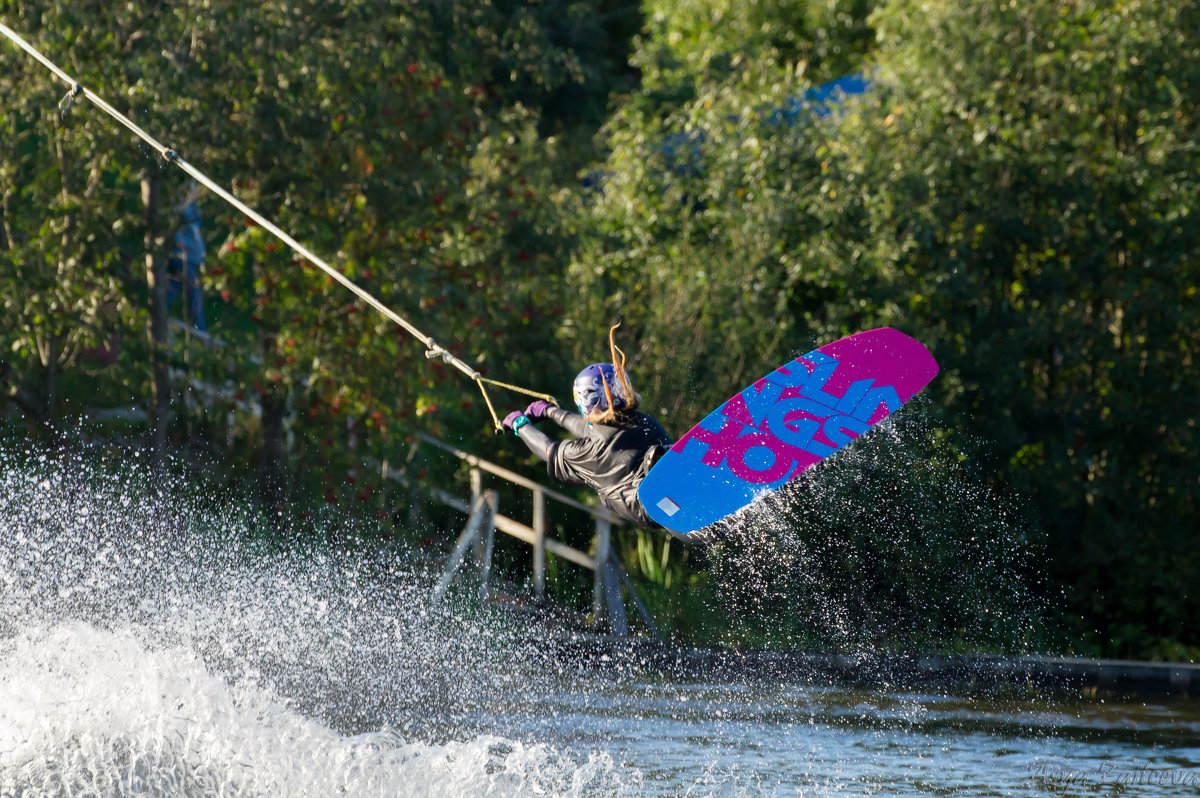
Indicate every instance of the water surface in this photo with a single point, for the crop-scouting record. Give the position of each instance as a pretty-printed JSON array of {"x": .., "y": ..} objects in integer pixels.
[{"x": 148, "y": 646}]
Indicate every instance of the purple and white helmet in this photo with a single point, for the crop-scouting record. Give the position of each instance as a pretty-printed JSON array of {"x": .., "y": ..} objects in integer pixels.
[{"x": 589, "y": 389}]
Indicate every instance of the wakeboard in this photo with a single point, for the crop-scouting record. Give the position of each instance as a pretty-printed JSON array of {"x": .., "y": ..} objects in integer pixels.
[{"x": 785, "y": 423}]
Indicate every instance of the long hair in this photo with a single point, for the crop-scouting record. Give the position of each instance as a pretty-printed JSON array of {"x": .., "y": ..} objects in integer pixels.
[{"x": 632, "y": 400}]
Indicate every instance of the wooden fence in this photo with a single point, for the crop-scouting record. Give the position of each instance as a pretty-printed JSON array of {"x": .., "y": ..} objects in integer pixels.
[{"x": 484, "y": 520}]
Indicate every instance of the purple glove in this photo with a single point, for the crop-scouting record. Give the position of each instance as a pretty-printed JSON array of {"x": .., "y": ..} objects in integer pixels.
[
  {"x": 537, "y": 410},
  {"x": 511, "y": 419}
]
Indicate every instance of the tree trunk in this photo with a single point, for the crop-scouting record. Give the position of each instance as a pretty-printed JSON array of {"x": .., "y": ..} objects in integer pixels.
[
  {"x": 6, "y": 234},
  {"x": 156, "y": 280}
]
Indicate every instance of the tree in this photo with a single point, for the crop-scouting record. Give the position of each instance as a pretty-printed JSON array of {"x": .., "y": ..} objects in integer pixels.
[
  {"x": 58, "y": 257},
  {"x": 1019, "y": 193},
  {"x": 396, "y": 147},
  {"x": 693, "y": 44}
]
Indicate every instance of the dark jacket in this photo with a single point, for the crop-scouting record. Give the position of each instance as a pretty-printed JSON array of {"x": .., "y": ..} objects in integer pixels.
[{"x": 612, "y": 458}]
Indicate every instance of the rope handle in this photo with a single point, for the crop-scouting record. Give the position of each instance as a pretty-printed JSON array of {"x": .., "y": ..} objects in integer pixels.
[{"x": 498, "y": 428}]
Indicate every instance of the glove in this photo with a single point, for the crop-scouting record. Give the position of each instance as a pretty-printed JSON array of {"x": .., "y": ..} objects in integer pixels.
[
  {"x": 514, "y": 421},
  {"x": 537, "y": 410}
]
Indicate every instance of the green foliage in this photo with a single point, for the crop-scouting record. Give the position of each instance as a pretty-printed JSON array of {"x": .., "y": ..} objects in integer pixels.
[
  {"x": 562, "y": 58},
  {"x": 676, "y": 591},
  {"x": 59, "y": 258},
  {"x": 894, "y": 544},
  {"x": 377, "y": 133},
  {"x": 691, "y": 45},
  {"x": 1021, "y": 193},
  {"x": 1014, "y": 193}
]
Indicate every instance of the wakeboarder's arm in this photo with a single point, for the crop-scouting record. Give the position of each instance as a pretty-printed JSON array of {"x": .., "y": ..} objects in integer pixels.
[
  {"x": 571, "y": 422},
  {"x": 538, "y": 442}
]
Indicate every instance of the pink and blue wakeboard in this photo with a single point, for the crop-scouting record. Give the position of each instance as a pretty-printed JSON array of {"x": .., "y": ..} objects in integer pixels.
[{"x": 782, "y": 425}]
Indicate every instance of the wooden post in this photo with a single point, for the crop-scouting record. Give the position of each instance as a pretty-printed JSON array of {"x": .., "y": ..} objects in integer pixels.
[
  {"x": 272, "y": 464},
  {"x": 617, "y": 623},
  {"x": 484, "y": 520},
  {"x": 476, "y": 494},
  {"x": 603, "y": 535},
  {"x": 539, "y": 544},
  {"x": 415, "y": 514},
  {"x": 488, "y": 529},
  {"x": 637, "y": 600},
  {"x": 469, "y": 534}
]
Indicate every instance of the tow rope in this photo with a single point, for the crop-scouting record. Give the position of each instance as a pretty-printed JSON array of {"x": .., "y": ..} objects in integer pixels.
[{"x": 432, "y": 349}]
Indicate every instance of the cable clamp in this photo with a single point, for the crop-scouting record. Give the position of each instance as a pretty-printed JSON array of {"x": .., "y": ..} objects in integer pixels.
[
  {"x": 436, "y": 351},
  {"x": 64, "y": 104}
]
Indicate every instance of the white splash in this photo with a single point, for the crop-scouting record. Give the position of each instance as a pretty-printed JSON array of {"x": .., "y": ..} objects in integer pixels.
[{"x": 149, "y": 647}]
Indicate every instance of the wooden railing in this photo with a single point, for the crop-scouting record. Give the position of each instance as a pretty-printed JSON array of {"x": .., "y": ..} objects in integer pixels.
[{"x": 483, "y": 520}]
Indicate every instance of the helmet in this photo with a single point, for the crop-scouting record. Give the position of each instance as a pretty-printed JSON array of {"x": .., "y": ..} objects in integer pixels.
[{"x": 589, "y": 389}]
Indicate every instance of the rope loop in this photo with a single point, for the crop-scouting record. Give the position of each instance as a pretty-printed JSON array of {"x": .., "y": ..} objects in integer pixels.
[{"x": 65, "y": 103}]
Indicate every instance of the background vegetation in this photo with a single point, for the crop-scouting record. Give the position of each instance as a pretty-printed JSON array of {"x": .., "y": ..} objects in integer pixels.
[{"x": 1015, "y": 191}]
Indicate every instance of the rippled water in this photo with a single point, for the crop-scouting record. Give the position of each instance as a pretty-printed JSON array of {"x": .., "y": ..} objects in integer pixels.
[
  {"x": 149, "y": 647},
  {"x": 820, "y": 740}
]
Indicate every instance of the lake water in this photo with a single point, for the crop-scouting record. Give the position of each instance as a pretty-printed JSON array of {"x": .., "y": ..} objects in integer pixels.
[{"x": 146, "y": 648}]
